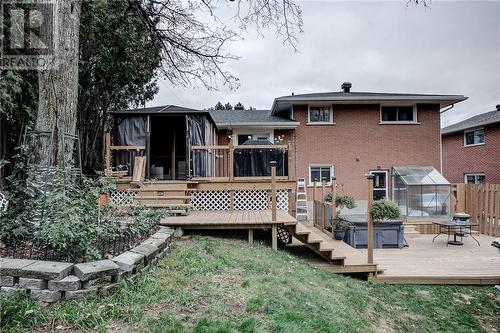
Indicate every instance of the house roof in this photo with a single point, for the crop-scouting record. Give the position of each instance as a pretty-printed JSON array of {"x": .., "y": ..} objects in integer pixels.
[
  {"x": 162, "y": 110},
  {"x": 476, "y": 121},
  {"x": 159, "y": 110},
  {"x": 340, "y": 97},
  {"x": 231, "y": 118}
]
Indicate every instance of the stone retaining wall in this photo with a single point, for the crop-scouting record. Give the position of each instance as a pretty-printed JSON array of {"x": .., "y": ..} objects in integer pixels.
[{"x": 49, "y": 281}]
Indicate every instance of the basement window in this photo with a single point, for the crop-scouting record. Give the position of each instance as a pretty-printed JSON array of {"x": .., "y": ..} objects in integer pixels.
[{"x": 398, "y": 114}]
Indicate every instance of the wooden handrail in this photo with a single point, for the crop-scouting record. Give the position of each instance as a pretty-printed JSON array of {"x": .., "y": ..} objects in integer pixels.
[
  {"x": 127, "y": 148},
  {"x": 241, "y": 147},
  {"x": 209, "y": 147}
]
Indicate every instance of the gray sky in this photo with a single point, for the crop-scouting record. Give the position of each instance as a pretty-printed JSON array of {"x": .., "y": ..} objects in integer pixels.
[{"x": 451, "y": 48}]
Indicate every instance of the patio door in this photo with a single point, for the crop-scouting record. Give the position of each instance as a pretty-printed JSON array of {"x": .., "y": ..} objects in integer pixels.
[{"x": 380, "y": 184}]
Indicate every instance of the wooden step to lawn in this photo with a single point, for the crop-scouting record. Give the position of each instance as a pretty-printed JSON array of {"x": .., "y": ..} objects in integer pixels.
[{"x": 341, "y": 257}]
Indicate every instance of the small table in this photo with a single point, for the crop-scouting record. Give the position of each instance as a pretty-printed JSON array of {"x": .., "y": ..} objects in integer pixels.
[{"x": 455, "y": 228}]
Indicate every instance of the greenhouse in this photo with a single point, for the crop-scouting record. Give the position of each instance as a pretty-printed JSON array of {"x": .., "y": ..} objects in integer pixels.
[{"x": 421, "y": 191}]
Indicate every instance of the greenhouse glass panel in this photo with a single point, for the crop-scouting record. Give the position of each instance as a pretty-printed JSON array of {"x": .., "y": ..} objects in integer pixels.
[{"x": 421, "y": 191}]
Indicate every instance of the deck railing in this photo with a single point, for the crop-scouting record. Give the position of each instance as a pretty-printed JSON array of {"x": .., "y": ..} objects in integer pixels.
[{"x": 217, "y": 162}]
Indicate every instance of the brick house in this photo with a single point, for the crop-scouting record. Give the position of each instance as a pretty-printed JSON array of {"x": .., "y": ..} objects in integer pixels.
[
  {"x": 471, "y": 149},
  {"x": 349, "y": 134},
  {"x": 340, "y": 134}
]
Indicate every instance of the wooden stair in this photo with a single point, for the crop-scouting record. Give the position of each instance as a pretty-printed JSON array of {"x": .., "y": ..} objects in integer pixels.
[
  {"x": 341, "y": 257},
  {"x": 173, "y": 196}
]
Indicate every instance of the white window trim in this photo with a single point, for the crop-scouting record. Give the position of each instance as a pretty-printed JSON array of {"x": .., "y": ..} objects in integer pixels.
[
  {"x": 254, "y": 132},
  {"x": 475, "y": 176},
  {"x": 474, "y": 130},
  {"x": 386, "y": 181},
  {"x": 397, "y": 122},
  {"x": 332, "y": 173},
  {"x": 319, "y": 122}
]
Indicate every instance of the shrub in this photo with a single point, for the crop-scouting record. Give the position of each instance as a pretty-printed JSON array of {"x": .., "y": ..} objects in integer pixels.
[
  {"x": 341, "y": 201},
  {"x": 64, "y": 213},
  {"x": 385, "y": 210}
]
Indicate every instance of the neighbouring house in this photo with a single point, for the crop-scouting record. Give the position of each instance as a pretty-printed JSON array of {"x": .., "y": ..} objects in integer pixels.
[
  {"x": 471, "y": 149},
  {"x": 340, "y": 134}
]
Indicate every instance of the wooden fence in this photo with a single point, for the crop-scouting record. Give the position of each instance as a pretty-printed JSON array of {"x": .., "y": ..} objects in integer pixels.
[{"x": 482, "y": 202}]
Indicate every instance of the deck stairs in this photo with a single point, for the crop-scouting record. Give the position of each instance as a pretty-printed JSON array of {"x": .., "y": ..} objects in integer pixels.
[
  {"x": 174, "y": 196},
  {"x": 341, "y": 257}
]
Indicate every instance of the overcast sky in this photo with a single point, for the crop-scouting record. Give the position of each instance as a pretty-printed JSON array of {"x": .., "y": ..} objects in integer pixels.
[{"x": 451, "y": 48}]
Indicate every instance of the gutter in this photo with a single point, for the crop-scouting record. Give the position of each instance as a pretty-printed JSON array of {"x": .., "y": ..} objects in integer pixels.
[{"x": 288, "y": 125}]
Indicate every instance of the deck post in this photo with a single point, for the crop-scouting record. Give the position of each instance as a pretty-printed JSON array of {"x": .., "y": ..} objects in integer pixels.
[
  {"x": 314, "y": 202},
  {"x": 334, "y": 195},
  {"x": 369, "y": 218},
  {"x": 250, "y": 236},
  {"x": 107, "y": 154},
  {"x": 273, "y": 190},
  {"x": 291, "y": 175},
  {"x": 274, "y": 228},
  {"x": 231, "y": 160},
  {"x": 323, "y": 208}
]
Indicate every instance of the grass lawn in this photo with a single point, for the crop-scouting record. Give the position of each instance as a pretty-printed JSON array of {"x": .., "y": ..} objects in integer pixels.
[{"x": 221, "y": 285}]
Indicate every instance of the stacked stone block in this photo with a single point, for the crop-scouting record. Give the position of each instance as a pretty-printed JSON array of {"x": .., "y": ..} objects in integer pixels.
[{"x": 50, "y": 281}]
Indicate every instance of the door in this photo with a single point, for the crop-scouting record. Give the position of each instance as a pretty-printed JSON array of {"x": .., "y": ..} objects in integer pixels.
[{"x": 380, "y": 184}]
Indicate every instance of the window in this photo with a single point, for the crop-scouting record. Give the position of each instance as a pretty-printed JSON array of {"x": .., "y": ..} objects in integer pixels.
[
  {"x": 394, "y": 114},
  {"x": 320, "y": 115},
  {"x": 475, "y": 137},
  {"x": 474, "y": 178},
  {"x": 380, "y": 187},
  {"x": 319, "y": 172},
  {"x": 242, "y": 138}
]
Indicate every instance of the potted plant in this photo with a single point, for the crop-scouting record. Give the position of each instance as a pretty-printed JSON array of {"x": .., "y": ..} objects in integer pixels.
[
  {"x": 340, "y": 226},
  {"x": 383, "y": 210}
]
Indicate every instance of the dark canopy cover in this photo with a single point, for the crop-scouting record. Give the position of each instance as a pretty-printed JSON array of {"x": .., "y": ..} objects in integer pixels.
[{"x": 257, "y": 162}]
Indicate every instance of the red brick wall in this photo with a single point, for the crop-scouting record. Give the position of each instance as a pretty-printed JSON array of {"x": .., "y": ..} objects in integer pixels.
[
  {"x": 459, "y": 160},
  {"x": 358, "y": 143}
]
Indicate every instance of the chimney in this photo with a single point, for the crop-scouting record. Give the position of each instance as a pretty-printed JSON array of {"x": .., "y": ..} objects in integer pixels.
[
  {"x": 498, "y": 107},
  {"x": 346, "y": 87}
]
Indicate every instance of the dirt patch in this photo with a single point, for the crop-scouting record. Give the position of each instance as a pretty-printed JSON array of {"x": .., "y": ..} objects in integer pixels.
[{"x": 156, "y": 310}]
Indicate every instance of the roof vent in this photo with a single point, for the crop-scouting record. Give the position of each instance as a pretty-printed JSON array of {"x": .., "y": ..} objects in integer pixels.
[
  {"x": 498, "y": 107},
  {"x": 346, "y": 87}
]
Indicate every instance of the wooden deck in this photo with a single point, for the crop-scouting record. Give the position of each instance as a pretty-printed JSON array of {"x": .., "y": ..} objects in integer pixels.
[
  {"x": 237, "y": 219},
  {"x": 424, "y": 262}
]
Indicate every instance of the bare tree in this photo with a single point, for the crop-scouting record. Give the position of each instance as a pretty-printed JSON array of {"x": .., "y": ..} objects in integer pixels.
[{"x": 194, "y": 51}]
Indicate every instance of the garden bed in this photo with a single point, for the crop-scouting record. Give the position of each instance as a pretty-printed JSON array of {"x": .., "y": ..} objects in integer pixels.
[{"x": 50, "y": 281}]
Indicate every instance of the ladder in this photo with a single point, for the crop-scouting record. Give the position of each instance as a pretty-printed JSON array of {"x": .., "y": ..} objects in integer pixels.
[{"x": 301, "y": 211}]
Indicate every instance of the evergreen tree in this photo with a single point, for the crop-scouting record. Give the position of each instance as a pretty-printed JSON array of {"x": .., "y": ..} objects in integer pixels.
[{"x": 219, "y": 106}]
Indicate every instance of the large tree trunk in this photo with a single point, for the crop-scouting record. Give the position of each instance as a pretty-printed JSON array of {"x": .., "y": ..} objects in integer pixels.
[{"x": 58, "y": 87}]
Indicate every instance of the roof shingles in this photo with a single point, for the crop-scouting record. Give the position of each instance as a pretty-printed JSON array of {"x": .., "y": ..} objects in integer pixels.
[{"x": 476, "y": 121}]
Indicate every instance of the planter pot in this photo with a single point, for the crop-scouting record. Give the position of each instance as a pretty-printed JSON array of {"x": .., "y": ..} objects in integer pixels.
[
  {"x": 103, "y": 199},
  {"x": 339, "y": 234}
]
